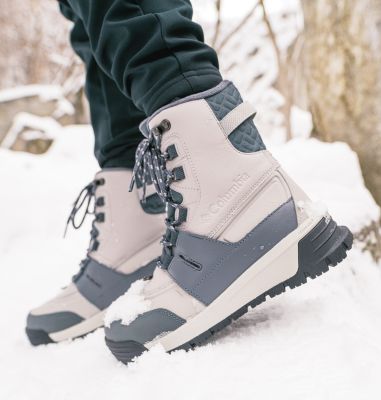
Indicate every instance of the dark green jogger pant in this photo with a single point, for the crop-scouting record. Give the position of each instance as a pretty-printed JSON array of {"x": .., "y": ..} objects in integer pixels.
[{"x": 139, "y": 56}]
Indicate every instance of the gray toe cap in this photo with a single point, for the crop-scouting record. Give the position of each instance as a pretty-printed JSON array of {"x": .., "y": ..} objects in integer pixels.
[
  {"x": 145, "y": 327},
  {"x": 53, "y": 322}
]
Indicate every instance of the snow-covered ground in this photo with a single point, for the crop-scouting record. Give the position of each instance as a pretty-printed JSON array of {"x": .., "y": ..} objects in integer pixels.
[{"x": 320, "y": 341}]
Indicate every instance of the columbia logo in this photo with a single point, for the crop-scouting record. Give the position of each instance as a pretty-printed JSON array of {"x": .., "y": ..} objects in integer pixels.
[{"x": 222, "y": 200}]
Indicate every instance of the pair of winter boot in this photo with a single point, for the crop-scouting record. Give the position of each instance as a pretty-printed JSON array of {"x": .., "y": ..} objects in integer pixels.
[{"x": 237, "y": 229}]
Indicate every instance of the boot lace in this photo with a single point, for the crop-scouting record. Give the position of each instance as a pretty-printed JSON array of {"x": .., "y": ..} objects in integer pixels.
[
  {"x": 150, "y": 167},
  {"x": 87, "y": 201}
]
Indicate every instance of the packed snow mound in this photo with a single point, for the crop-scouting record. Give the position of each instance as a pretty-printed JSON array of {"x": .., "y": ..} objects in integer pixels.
[
  {"x": 330, "y": 172},
  {"x": 128, "y": 306},
  {"x": 316, "y": 342}
]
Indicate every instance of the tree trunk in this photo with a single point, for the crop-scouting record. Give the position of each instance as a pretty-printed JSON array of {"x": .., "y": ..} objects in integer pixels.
[{"x": 342, "y": 68}]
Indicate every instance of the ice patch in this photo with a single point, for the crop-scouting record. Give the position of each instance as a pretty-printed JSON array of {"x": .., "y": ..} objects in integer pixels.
[{"x": 129, "y": 306}]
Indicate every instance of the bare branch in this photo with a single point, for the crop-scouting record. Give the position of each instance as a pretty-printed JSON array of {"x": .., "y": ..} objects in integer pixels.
[
  {"x": 271, "y": 34},
  {"x": 369, "y": 239},
  {"x": 237, "y": 28},
  {"x": 284, "y": 86},
  {"x": 218, "y": 22}
]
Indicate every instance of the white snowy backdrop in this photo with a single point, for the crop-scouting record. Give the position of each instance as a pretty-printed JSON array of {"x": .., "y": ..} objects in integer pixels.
[{"x": 320, "y": 341}]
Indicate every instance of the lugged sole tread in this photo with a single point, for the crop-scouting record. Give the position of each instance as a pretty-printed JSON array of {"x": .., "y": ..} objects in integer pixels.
[
  {"x": 125, "y": 351},
  {"x": 337, "y": 252}
]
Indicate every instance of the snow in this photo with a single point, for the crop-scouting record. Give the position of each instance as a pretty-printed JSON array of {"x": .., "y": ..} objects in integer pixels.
[
  {"x": 320, "y": 341},
  {"x": 128, "y": 306},
  {"x": 205, "y": 9},
  {"x": 64, "y": 107},
  {"x": 44, "y": 92},
  {"x": 330, "y": 172},
  {"x": 249, "y": 60},
  {"x": 301, "y": 122},
  {"x": 47, "y": 125}
]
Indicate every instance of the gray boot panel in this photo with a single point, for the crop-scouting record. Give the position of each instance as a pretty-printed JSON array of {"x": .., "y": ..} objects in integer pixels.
[
  {"x": 205, "y": 267},
  {"x": 53, "y": 322},
  {"x": 145, "y": 327},
  {"x": 102, "y": 285},
  {"x": 246, "y": 137}
]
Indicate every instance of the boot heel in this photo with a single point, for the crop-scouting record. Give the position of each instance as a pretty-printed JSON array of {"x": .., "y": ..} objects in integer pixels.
[{"x": 324, "y": 246}]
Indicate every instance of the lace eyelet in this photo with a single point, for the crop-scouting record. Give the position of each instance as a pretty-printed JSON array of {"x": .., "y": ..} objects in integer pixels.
[
  {"x": 95, "y": 246},
  {"x": 171, "y": 152},
  {"x": 165, "y": 125},
  {"x": 100, "y": 182},
  {"x": 100, "y": 202},
  {"x": 151, "y": 158},
  {"x": 100, "y": 217}
]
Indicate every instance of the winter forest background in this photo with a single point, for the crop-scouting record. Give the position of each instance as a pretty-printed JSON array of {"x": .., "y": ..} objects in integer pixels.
[
  {"x": 313, "y": 71},
  {"x": 310, "y": 67}
]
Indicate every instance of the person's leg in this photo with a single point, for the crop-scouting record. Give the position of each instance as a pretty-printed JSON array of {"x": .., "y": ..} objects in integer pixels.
[
  {"x": 150, "y": 48},
  {"x": 114, "y": 117}
]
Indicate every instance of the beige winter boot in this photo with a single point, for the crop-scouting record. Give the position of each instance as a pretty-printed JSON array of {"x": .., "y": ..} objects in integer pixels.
[
  {"x": 124, "y": 247},
  {"x": 238, "y": 228}
]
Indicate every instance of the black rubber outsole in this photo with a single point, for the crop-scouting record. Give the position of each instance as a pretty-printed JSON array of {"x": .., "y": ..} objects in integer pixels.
[
  {"x": 39, "y": 337},
  {"x": 125, "y": 351},
  {"x": 325, "y": 246}
]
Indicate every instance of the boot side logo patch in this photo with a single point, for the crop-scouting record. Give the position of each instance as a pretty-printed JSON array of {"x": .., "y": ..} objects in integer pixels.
[{"x": 222, "y": 200}]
